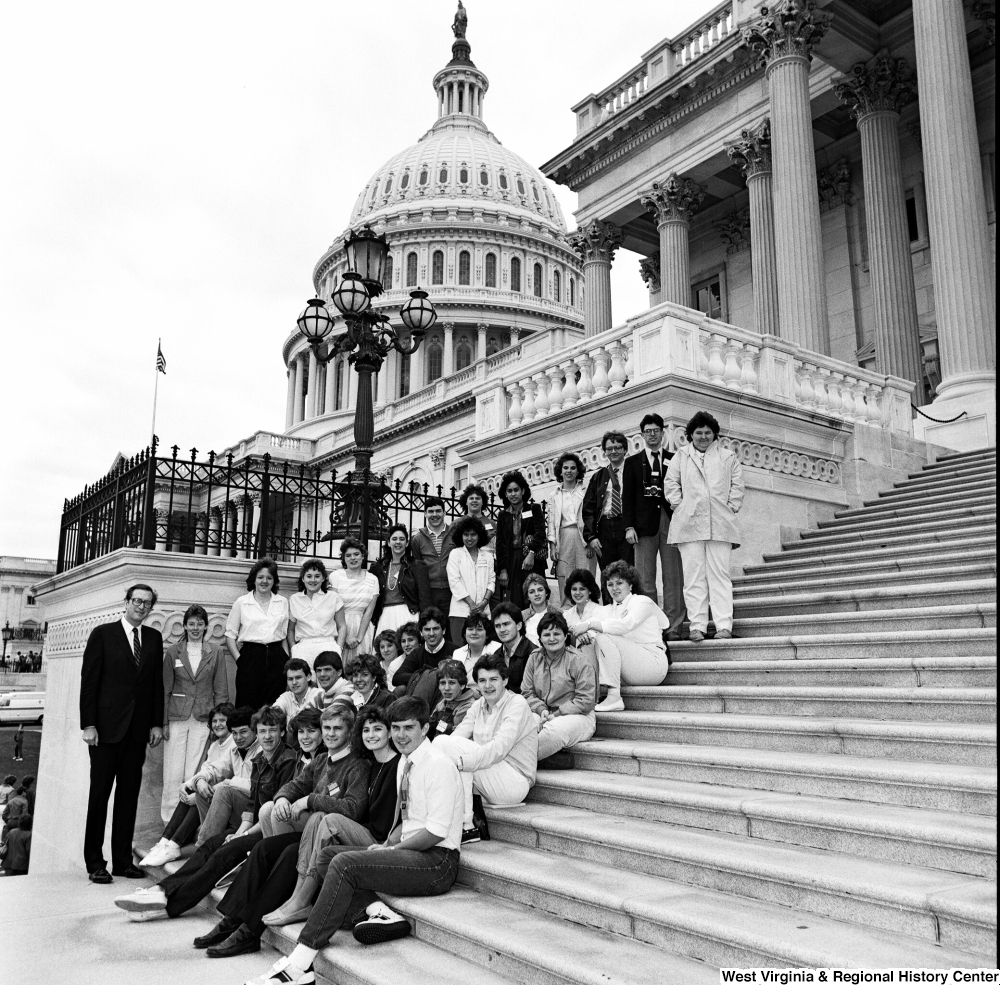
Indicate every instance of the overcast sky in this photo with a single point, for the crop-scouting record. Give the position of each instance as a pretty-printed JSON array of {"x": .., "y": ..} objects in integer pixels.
[{"x": 175, "y": 170}]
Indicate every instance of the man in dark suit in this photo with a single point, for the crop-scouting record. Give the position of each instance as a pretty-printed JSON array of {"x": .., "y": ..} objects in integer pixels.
[
  {"x": 603, "y": 523},
  {"x": 121, "y": 712},
  {"x": 647, "y": 521}
]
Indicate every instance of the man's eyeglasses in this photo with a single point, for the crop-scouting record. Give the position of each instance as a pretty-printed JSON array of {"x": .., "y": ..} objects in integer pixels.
[
  {"x": 142, "y": 603},
  {"x": 652, "y": 432}
]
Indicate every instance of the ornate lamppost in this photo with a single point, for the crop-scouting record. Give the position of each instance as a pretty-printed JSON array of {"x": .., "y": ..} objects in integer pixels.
[{"x": 8, "y": 635}]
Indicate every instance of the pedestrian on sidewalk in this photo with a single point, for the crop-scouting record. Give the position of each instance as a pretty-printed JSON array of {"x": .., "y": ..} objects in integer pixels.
[{"x": 19, "y": 744}]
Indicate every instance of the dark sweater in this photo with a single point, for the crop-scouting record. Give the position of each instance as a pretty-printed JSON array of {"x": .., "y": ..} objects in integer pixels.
[
  {"x": 420, "y": 658},
  {"x": 381, "y": 806},
  {"x": 19, "y": 848},
  {"x": 350, "y": 774}
]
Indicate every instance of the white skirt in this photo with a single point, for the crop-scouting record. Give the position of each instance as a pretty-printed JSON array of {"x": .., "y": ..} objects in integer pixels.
[
  {"x": 309, "y": 649},
  {"x": 394, "y": 616}
]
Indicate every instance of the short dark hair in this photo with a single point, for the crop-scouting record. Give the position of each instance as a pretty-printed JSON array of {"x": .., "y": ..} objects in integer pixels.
[
  {"x": 517, "y": 477},
  {"x": 433, "y": 501},
  {"x": 269, "y": 716},
  {"x": 407, "y": 629},
  {"x": 241, "y": 717},
  {"x": 25, "y": 821},
  {"x": 432, "y": 612},
  {"x": 27, "y": 781},
  {"x": 491, "y": 661},
  {"x": 141, "y": 588},
  {"x": 329, "y": 658},
  {"x": 194, "y": 612},
  {"x": 581, "y": 576},
  {"x": 701, "y": 420},
  {"x": 569, "y": 456},
  {"x": 353, "y": 544},
  {"x": 259, "y": 566},
  {"x": 453, "y": 669},
  {"x": 475, "y": 619},
  {"x": 369, "y": 662},
  {"x": 625, "y": 571},
  {"x": 409, "y": 707},
  {"x": 508, "y": 609},
  {"x": 366, "y": 714},
  {"x": 396, "y": 528},
  {"x": 307, "y": 718},
  {"x": 651, "y": 419},
  {"x": 297, "y": 663},
  {"x": 313, "y": 564},
  {"x": 386, "y": 636},
  {"x": 473, "y": 490},
  {"x": 534, "y": 578},
  {"x": 556, "y": 619},
  {"x": 469, "y": 523},
  {"x": 9, "y": 780},
  {"x": 224, "y": 708},
  {"x": 615, "y": 436}
]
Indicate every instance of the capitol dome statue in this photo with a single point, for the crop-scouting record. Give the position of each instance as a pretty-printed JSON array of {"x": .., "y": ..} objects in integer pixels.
[{"x": 474, "y": 225}]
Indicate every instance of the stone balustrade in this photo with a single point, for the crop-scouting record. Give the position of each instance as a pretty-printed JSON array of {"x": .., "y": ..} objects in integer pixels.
[
  {"x": 268, "y": 443},
  {"x": 704, "y": 35}
]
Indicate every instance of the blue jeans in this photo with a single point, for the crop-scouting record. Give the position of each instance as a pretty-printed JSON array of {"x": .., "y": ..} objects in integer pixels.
[{"x": 401, "y": 873}]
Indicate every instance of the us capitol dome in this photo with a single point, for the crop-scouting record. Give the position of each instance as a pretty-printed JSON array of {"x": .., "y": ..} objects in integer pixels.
[{"x": 474, "y": 225}]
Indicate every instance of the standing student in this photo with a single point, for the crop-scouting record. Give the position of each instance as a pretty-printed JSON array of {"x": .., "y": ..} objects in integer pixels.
[
  {"x": 473, "y": 500},
  {"x": 121, "y": 713},
  {"x": 603, "y": 520},
  {"x": 315, "y": 615},
  {"x": 564, "y": 519},
  {"x": 18, "y": 756},
  {"x": 431, "y": 546},
  {"x": 399, "y": 579},
  {"x": 359, "y": 589},
  {"x": 471, "y": 574},
  {"x": 521, "y": 546}
]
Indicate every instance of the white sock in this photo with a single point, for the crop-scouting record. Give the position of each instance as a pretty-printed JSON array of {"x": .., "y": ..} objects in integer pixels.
[{"x": 302, "y": 957}]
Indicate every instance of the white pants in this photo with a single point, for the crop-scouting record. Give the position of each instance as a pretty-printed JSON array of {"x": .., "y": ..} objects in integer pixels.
[
  {"x": 309, "y": 649},
  {"x": 624, "y": 662},
  {"x": 181, "y": 756},
  {"x": 563, "y": 732},
  {"x": 707, "y": 582},
  {"x": 500, "y": 784}
]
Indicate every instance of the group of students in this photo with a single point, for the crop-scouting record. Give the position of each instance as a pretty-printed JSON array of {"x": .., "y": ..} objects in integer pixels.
[{"x": 17, "y": 801}]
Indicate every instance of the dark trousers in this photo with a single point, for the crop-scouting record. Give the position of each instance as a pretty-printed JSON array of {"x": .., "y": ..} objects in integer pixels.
[
  {"x": 260, "y": 674},
  {"x": 195, "y": 879},
  {"x": 614, "y": 547},
  {"x": 265, "y": 882},
  {"x": 118, "y": 765},
  {"x": 182, "y": 825},
  {"x": 400, "y": 872}
]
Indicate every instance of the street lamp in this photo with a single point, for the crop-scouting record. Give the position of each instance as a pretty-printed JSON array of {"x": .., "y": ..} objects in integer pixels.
[
  {"x": 8, "y": 635},
  {"x": 369, "y": 337}
]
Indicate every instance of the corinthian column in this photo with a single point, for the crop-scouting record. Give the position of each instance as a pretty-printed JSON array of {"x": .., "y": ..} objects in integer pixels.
[
  {"x": 961, "y": 258},
  {"x": 752, "y": 152},
  {"x": 649, "y": 270},
  {"x": 876, "y": 92},
  {"x": 783, "y": 39},
  {"x": 673, "y": 201},
  {"x": 596, "y": 243}
]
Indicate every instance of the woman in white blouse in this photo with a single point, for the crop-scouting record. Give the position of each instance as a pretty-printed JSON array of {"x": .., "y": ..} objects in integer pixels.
[
  {"x": 564, "y": 520},
  {"x": 475, "y": 631},
  {"x": 628, "y": 636},
  {"x": 471, "y": 574},
  {"x": 359, "y": 589},
  {"x": 584, "y": 598},
  {"x": 256, "y": 632},
  {"x": 315, "y": 615}
]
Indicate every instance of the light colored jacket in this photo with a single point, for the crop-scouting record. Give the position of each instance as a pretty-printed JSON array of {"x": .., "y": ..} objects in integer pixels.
[
  {"x": 564, "y": 507},
  {"x": 569, "y": 683},
  {"x": 705, "y": 499},
  {"x": 469, "y": 579},
  {"x": 506, "y": 734},
  {"x": 236, "y": 769},
  {"x": 188, "y": 694}
]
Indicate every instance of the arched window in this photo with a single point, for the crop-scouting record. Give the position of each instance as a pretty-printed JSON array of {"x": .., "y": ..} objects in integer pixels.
[
  {"x": 534, "y": 189},
  {"x": 443, "y": 176},
  {"x": 411, "y": 270},
  {"x": 537, "y": 276},
  {"x": 404, "y": 182},
  {"x": 515, "y": 274},
  {"x": 388, "y": 185},
  {"x": 463, "y": 355},
  {"x": 491, "y": 270},
  {"x": 374, "y": 191},
  {"x": 556, "y": 286},
  {"x": 437, "y": 267},
  {"x": 387, "y": 276},
  {"x": 572, "y": 292},
  {"x": 464, "y": 267},
  {"x": 484, "y": 178},
  {"x": 503, "y": 181},
  {"x": 434, "y": 361},
  {"x": 423, "y": 177},
  {"x": 520, "y": 187},
  {"x": 463, "y": 176},
  {"x": 404, "y": 375},
  {"x": 338, "y": 386}
]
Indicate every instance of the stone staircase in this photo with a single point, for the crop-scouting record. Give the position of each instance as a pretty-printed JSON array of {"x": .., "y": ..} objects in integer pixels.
[{"x": 819, "y": 791}]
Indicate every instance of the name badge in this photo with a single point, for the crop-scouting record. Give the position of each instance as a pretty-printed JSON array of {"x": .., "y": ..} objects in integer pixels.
[
  {"x": 442, "y": 726},
  {"x": 333, "y": 790},
  {"x": 526, "y": 514},
  {"x": 178, "y": 663}
]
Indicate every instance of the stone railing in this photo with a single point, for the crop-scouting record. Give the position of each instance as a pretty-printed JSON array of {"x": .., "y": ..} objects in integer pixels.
[
  {"x": 269, "y": 443},
  {"x": 672, "y": 341},
  {"x": 703, "y": 35}
]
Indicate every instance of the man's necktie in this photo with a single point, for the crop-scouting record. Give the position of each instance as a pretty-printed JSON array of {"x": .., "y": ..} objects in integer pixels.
[
  {"x": 616, "y": 494},
  {"x": 136, "y": 647},
  {"x": 402, "y": 805}
]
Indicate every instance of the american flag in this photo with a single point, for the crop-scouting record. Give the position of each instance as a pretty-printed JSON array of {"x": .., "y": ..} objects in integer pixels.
[{"x": 161, "y": 362}]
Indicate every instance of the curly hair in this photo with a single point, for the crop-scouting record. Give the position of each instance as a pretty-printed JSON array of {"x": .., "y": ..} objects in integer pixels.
[
  {"x": 469, "y": 523},
  {"x": 264, "y": 562},
  {"x": 473, "y": 490},
  {"x": 353, "y": 544},
  {"x": 395, "y": 528},
  {"x": 369, "y": 662},
  {"x": 569, "y": 456},
  {"x": 701, "y": 420},
  {"x": 386, "y": 636},
  {"x": 368, "y": 713},
  {"x": 518, "y": 478},
  {"x": 581, "y": 576},
  {"x": 407, "y": 629},
  {"x": 625, "y": 571},
  {"x": 314, "y": 564}
]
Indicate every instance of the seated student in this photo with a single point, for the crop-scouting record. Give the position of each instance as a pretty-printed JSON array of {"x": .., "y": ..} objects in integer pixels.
[
  {"x": 560, "y": 687},
  {"x": 329, "y": 670},
  {"x": 18, "y": 843},
  {"x": 368, "y": 679},
  {"x": 178, "y": 893},
  {"x": 299, "y": 694},
  {"x": 508, "y": 623},
  {"x": 432, "y": 649},
  {"x": 7, "y": 788},
  {"x": 335, "y": 783},
  {"x": 538, "y": 595},
  {"x": 475, "y": 632},
  {"x": 456, "y": 698},
  {"x": 16, "y": 806},
  {"x": 388, "y": 651},
  {"x": 584, "y": 599},
  {"x": 419, "y": 858},
  {"x": 183, "y": 823},
  {"x": 407, "y": 640},
  {"x": 495, "y": 746}
]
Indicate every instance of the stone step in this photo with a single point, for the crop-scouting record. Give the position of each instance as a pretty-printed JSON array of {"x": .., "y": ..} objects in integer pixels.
[
  {"x": 878, "y": 549},
  {"x": 528, "y": 946},
  {"x": 863, "y": 671},
  {"x": 946, "y": 499},
  {"x": 933, "y": 786},
  {"x": 942, "y": 467},
  {"x": 877, "y": 598},
  {"x": 907, "y": 572},
  {"x": 967, "y": 705},
  {"x": 963, "y": 485},
  {"x": 959, "y": 475},
  {"x": 877, "y": 507},
  {"x": 930, "y": 521},
  {"x": 954, "y": 910},
  {"x": 689, "y": 920},
  {"x": 935, "y": 742},
  {"x": 936, "y": 839},
  {"x": 980, "y": 454},
  {"x": 923, "y": 618}
]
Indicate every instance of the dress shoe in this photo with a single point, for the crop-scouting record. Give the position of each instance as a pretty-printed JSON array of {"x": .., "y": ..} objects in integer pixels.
[
  {"x": 100, "y": 876},
  {"x": 672, "y": 636},
  {"x": 131, "y": 871},
  {"x": 218, "y": 933},
  {"x": 561, "y": 760},
  {"x": 241, "y": 941},
  {"x": 613, "y": 702}
]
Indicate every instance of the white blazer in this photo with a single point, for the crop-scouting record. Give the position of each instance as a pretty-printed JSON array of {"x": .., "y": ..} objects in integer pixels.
[{"x": 470, "y": 579}]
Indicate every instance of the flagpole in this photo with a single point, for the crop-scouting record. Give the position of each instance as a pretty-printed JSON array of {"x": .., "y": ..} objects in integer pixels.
[{"x": 156, "y": 390}]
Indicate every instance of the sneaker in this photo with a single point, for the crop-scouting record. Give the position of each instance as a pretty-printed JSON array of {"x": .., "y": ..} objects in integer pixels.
[
  {"x": 723, "y": 634},
  {"x": 382, "y": 924},
  {"x": 143, "y": 900},
  {"x": 696, "y": 636},
  {"x": 162, "y": 852},
  {"x": 145, "y": 915},
  {"x": 282, "y": 973},
  {"x": 471, "y": 835}
]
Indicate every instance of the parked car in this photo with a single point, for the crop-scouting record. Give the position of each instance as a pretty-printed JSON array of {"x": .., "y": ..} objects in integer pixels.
[{"x": 22, "y": 706}]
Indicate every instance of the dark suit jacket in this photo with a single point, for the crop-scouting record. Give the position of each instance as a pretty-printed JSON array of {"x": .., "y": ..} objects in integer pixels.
[
  {"x": 115, "y": 696},
  {"x": 593, "y": 502},
  {"x": 638, "y": 510}
]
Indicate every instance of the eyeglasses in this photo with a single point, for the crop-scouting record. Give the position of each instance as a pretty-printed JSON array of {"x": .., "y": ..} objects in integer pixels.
[
  {"x": 142, "y": 603},
  {"x": 652, "y": 432}
]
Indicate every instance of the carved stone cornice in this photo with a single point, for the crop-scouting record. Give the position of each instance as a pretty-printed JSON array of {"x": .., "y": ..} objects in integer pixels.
[
  {"x": 752, "y": 152},
  {"x": 985, "y": 12},
  {"x": 675, "y": 199},
  {"x": 883, "y": 84},
  {"x": 597, "y": 240},
  {"x": 834, "y": 185},
  {"x": 734, "y": 231},
  {"x": 789, "y": 27},
  {"x": 649, "y": 270}
]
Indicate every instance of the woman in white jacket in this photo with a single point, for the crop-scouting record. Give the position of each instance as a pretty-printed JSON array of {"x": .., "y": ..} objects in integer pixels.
[
  {"x": 564, "y": 520},
  {"x": 704, "y": 486},
  {"x": 471, "y": 574}
]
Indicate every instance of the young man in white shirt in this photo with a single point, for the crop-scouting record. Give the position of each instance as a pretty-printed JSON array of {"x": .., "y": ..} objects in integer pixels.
[
  {"x": 299, "y": 694},
  {"x": 419, "y": 858}
]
